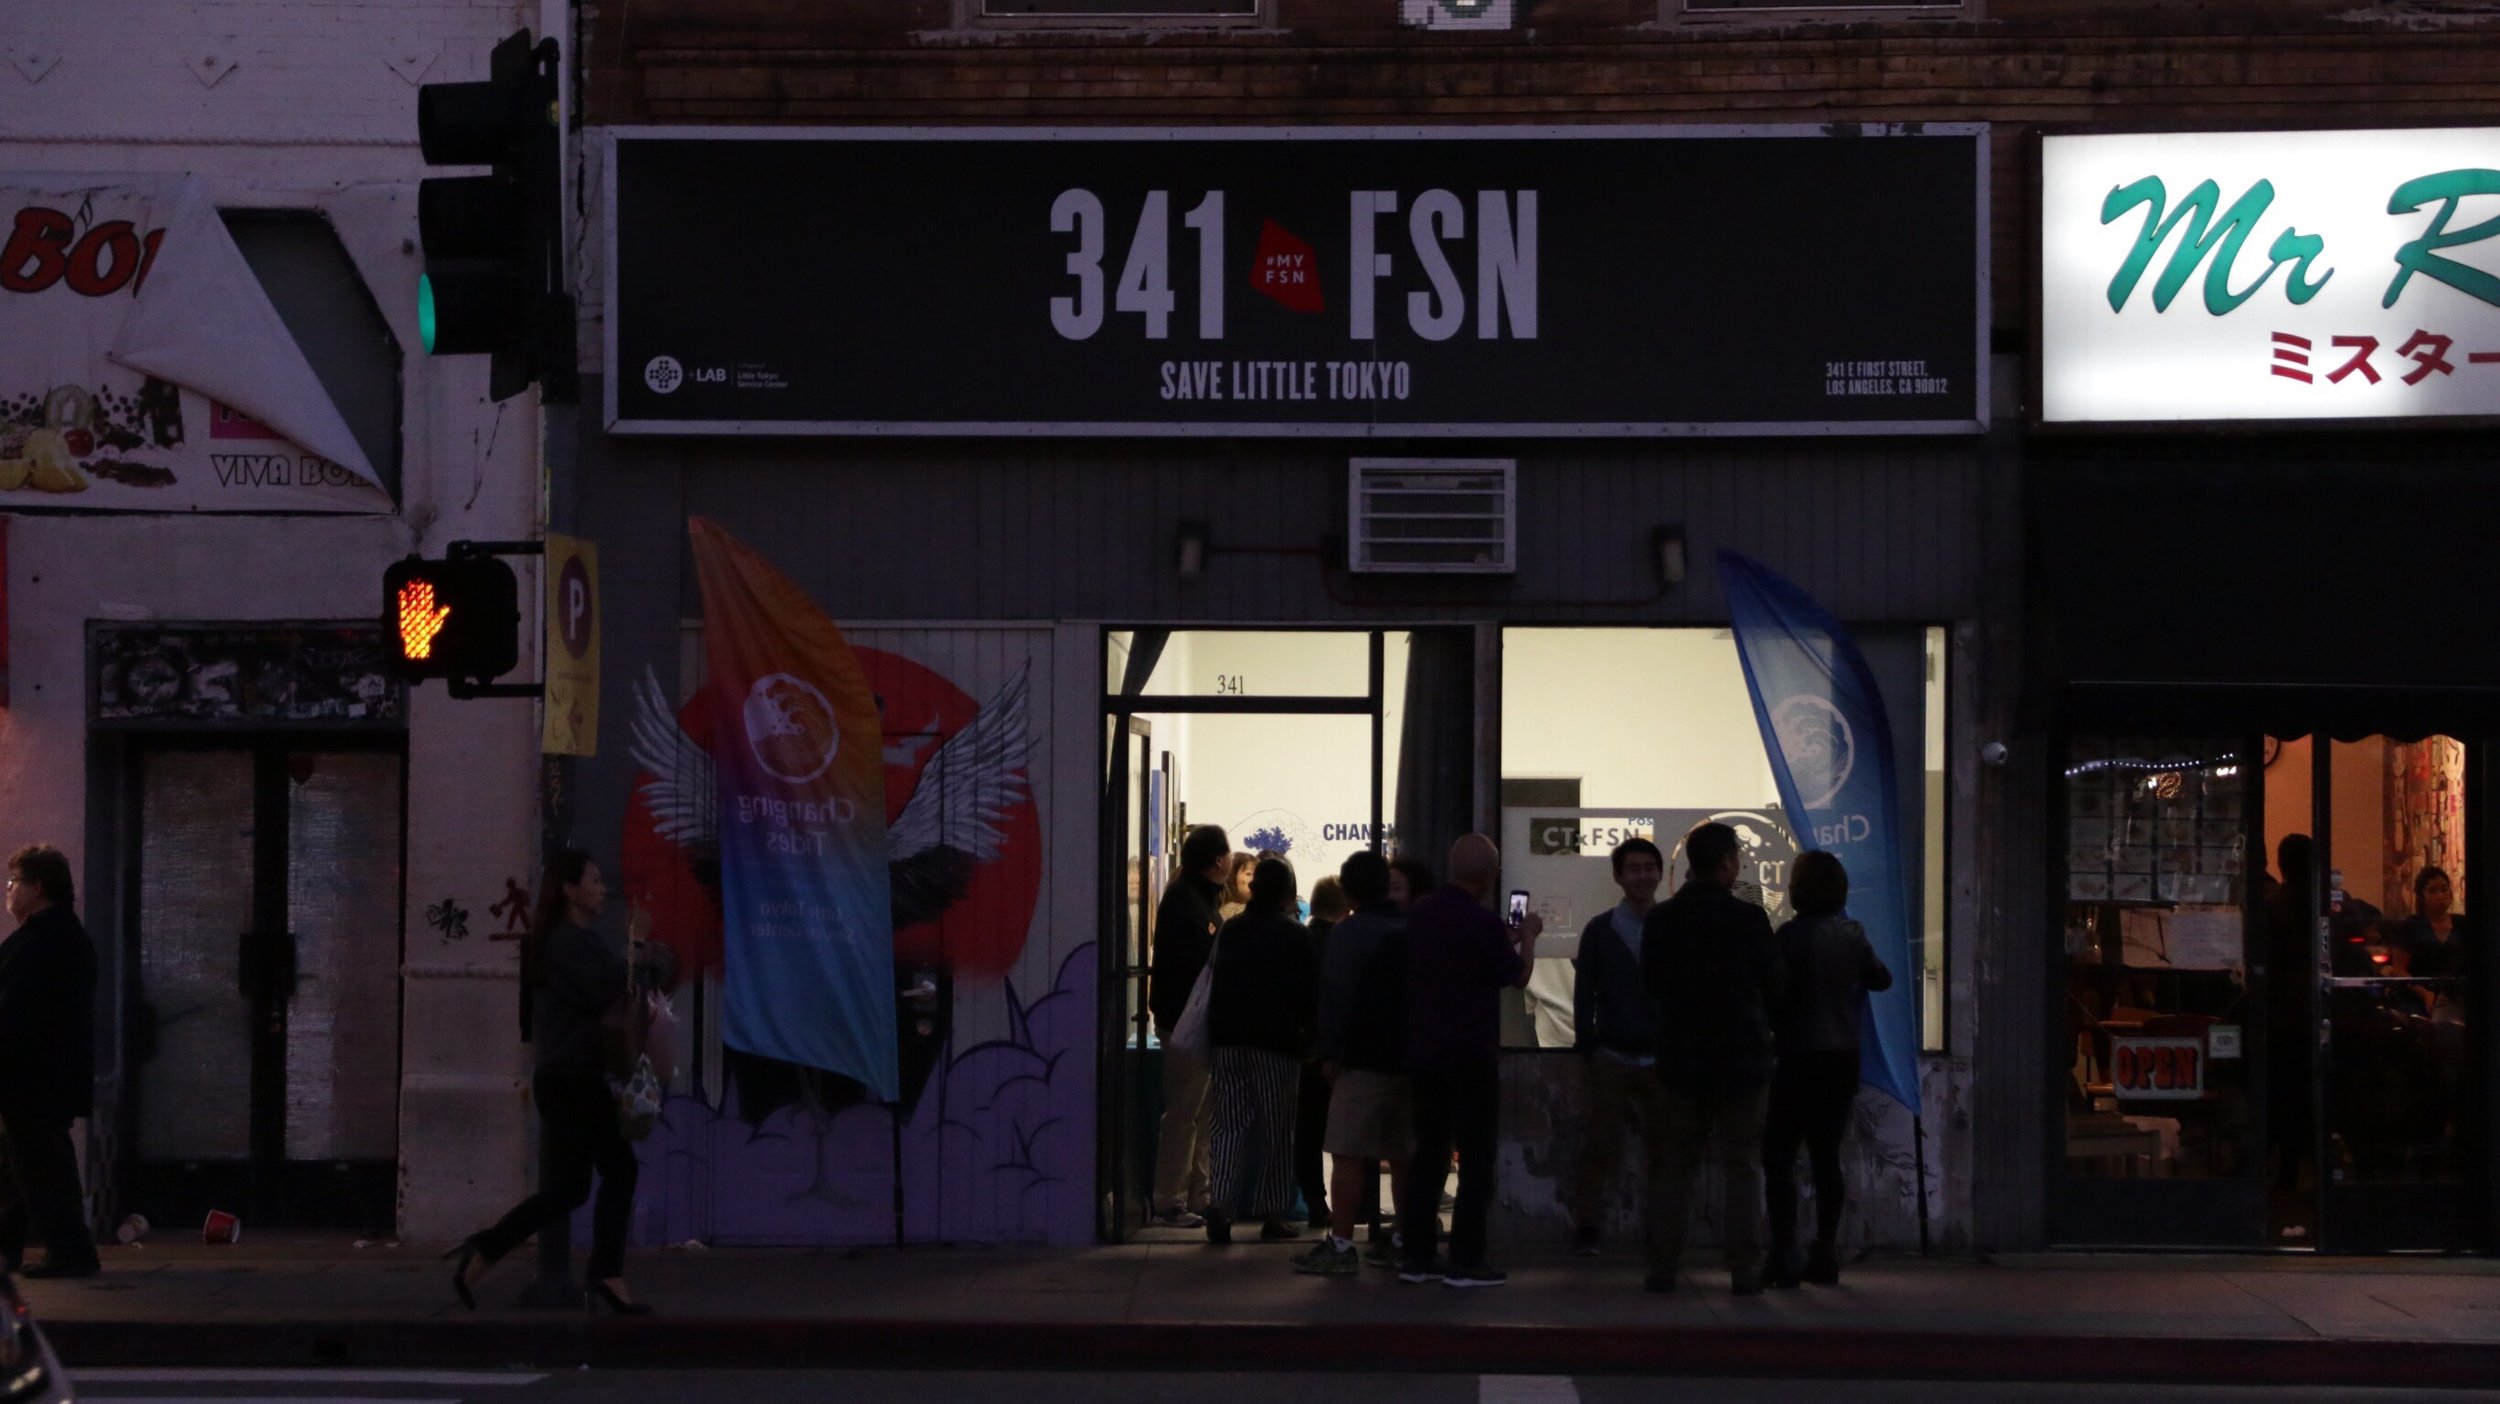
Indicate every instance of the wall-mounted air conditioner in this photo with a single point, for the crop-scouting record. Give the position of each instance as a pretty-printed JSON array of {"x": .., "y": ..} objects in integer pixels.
[{"x": 1439, "y": 516}]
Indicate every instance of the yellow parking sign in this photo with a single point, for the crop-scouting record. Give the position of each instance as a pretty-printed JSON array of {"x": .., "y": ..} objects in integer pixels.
[{"x": 572, "y": 648}]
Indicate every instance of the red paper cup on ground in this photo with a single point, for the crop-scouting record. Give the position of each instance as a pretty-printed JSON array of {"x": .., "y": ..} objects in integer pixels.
[{"x": 221, "y": 1227}]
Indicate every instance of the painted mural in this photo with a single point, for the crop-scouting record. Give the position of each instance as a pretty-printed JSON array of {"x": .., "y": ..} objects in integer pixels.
[
  {"x": 1542, "y": 1117},
  {"x": 990, "y": 1136}
]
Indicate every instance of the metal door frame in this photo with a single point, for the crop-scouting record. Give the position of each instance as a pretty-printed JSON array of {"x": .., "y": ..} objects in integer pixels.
[
  {"x": 1120, "y": 1092},
  {"x": 359, "y": 1194},
  {"x": 2366, "y": 1218}
]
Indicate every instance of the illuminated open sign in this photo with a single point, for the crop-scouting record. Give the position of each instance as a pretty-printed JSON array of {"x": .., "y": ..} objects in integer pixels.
[{"x": 2157, "y": 1069}]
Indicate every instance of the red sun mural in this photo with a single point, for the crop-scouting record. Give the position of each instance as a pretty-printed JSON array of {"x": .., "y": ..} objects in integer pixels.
[{"x": 963, "y": 901}]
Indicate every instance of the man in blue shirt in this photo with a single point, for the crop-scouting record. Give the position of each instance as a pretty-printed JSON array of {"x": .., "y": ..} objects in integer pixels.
[{"x": 1615, "y": 1028}]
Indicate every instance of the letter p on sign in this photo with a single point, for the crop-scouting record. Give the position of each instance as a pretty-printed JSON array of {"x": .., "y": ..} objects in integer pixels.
[{"x": 574, "y": 603}]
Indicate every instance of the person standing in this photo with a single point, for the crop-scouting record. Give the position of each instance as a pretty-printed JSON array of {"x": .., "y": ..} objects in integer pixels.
[
  {"x": 47, "y": 1067},
  {"x": 1361, "y": 1048},
  {"x": 1710, "y": 961},
  {"x": 571, "y": 976},
  {"x": 1237, "y": 870},
  {"x": 1310, "y": 1124},
  {"x": 1831, "y": 969},
  {"x": 1259, "y": 1016},
  {"x": 1615, "y": 1027},
  {"x": 1459, "y": 958},
  {"x": 1410, "y": 880},
  {"x": 1184, "y": 934}
]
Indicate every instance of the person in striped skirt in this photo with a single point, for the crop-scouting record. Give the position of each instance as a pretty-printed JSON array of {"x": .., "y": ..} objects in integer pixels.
[{"x": 1260, "y": 1012}]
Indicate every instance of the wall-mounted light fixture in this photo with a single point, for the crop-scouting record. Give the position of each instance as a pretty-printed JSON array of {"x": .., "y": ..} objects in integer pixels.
[
  {"x": 1190, "y": 552},
  {"x": 1668, "y": 543}
]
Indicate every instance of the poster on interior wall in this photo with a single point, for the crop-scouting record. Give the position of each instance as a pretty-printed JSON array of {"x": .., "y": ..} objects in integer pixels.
[
  {"x": 2425, "y": 818},
  {"x": 1342, "y": 281},
  {"x": 143, "y": 368},
  {"x": 2321, "y": 275}
]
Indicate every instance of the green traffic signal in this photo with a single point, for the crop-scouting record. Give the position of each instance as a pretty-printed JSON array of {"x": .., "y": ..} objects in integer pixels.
[{"x": 425, "y": 312}]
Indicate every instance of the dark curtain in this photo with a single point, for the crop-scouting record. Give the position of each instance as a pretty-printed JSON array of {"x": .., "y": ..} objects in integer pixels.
[{"x": 1436, "y": 796}]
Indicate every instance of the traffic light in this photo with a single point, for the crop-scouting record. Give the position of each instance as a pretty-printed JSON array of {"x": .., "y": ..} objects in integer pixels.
[
  {"x": 458, "y": 619},
  {"x": 494, "y": 279}
]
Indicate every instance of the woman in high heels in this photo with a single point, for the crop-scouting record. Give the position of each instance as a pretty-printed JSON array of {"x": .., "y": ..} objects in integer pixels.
[{"x": 570, "y": 977}]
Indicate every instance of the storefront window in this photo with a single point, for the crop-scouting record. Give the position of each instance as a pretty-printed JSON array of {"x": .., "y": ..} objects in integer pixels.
[
  {"x": 2155, "y": 939},
  {"x": 1609, "y": 734},
  {"x": 1290, "y": 783}
]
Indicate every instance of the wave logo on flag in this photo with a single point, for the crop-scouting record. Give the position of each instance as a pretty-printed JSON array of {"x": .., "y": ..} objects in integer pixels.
[
  {"x": 1828, "y": 737},
  {"x": 1822, "y": 752},
  {"x": 1456, "y": 14},
  {"x": 807, "y": 917}
]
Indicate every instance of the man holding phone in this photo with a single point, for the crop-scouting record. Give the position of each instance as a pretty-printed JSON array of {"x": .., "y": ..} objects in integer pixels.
[{"x": 1460, "y": 957}]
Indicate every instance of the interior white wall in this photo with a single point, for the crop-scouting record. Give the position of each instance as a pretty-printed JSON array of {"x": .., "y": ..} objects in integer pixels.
[{"x": 1654, "y": 717}]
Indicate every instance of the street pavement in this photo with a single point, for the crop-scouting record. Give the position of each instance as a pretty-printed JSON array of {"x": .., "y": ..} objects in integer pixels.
[
  {"x": 168, "y": 1386},
  {"x": 2180, "y": 1320}
]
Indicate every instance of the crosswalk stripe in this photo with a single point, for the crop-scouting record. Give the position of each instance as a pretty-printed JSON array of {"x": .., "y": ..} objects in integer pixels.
[
  {"x": 444, "y": 1379},
  {"x": 1526, "y": 1389}
]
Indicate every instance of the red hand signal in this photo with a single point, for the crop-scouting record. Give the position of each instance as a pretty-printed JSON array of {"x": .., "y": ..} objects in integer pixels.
[{"x": 420, "y": 619}]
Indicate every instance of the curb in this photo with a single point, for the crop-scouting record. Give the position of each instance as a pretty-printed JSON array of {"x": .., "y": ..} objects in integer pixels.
[{"x": 1265, "y": 1346}]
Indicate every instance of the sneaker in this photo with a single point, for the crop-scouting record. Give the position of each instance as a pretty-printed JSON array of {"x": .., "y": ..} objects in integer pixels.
[
  {"x": 1219, "y": 1228},
  {"x": 1481, "y": 1275},
  {"x": 1584, "y": 1243},
  {"x": 1433, "y": 1271},
  {"x": 1278, "y": 1231},
  {"x": 1327, "y": 1259},
  {"x": 1179, "y": 1219},
  {"x": 1383, "y": 1252},
  {"x": 1661, "y": 1282}
]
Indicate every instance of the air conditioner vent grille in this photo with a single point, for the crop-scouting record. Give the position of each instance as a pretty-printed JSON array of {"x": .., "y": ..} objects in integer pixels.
[{"x": 1433, "y": 515}]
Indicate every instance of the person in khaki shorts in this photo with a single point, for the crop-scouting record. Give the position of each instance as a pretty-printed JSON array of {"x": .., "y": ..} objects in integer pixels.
[
  {"x": 1361, "y": 1047},
  {"x": 1616, "y": 1033},
  {"x": 1184, "y": 936}
]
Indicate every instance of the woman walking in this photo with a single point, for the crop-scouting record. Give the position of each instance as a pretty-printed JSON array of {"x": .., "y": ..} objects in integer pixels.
[
  {"x": 1830, "y": 970},
  {"x": 570, "y": 977},
  {"x": 1260, "y": 1014}
]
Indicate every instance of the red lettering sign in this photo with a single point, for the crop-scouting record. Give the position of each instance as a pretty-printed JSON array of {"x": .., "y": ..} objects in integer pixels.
[
  {"x": 2157, "y": 1068},
  {"x": 45, "y": 248}
]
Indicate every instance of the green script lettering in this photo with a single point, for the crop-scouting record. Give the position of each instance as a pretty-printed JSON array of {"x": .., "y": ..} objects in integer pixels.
[
  {"x": 2420, "y": 255},
  {"x": 2222, "y": 243}
]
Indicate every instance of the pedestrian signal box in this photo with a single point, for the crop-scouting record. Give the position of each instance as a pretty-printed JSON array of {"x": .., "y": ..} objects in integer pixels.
[{"x": 458, "y": 619}]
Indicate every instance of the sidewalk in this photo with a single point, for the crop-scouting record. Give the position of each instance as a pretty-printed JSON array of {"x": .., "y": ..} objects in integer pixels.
[{"x": 2221, "y": 1320}]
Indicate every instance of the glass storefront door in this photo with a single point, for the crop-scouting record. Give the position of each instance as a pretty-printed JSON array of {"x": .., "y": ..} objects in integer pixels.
[
  {"x": 265, "y": 1049},
  {"x": 2267, "y": 994},
  {"x": 2398, "y": 1101},
  {"x": 2159, "y": 1027}
]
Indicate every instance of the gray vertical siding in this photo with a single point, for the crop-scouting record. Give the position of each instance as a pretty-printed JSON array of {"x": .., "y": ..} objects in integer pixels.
[{"x": 1022, "y": 530}]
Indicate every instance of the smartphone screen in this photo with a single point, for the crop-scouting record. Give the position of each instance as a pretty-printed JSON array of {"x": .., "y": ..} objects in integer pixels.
[{"x": 1518, "y": 905}]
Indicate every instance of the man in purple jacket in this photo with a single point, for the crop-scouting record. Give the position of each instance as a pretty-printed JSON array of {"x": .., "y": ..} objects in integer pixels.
[{"x": 1460, "y": 957}]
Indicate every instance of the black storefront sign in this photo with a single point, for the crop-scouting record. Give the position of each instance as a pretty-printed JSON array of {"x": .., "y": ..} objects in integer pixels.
[{"x": 1349, "y": 281}]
